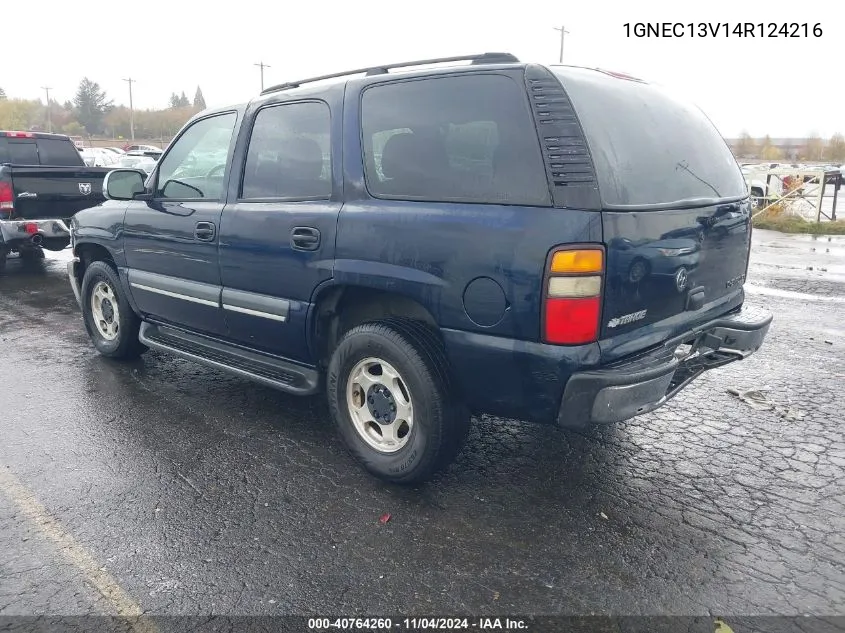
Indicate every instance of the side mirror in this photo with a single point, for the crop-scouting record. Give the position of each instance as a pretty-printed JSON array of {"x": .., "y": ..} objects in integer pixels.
[{"x": 123, "y": 184}]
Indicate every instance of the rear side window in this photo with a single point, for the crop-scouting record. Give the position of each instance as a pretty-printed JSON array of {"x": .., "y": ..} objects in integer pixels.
[
  {"x": 465, "y": 138},
  {"x": 648, "y": 145},
  {"x": 289, "y": 153},
  {"x": 58, "y": 152}
]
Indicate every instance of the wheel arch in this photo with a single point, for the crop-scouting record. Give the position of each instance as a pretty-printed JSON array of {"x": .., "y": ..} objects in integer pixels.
[{"x": 339, "y": 308}]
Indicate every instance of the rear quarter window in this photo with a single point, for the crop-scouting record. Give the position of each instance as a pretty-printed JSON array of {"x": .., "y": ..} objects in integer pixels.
[
  {"x": 463, "y": 138},
  {"x": 649, "y": 146}
]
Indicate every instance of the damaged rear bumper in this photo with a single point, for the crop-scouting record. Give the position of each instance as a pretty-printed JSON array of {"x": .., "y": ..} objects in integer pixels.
[{"x": 643, "y": 383}]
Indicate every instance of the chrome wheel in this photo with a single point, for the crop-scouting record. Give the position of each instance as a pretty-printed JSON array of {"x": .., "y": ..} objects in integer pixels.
[
  {"x": 380, "y": 405},
  {"x": 104, "y": 311}
]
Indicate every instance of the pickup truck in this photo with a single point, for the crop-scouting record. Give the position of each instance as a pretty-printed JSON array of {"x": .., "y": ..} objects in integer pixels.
[
  {"x": 427, "y": 241},
  {"x": 43, "y": 183}
]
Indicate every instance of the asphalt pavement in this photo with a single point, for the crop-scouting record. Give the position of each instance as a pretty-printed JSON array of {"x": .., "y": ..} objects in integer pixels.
[{"x": 165, "y": 487}]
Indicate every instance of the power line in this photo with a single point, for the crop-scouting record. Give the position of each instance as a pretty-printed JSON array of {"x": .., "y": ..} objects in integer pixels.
[
  {"x": 262, "y": 66},
  {"x": 130, "y": 81},
  {"x": 563, "y": 32},
  {"x": 49, "y": 117}
]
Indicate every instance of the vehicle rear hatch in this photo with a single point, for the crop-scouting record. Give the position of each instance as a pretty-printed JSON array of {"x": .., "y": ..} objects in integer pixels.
[{"x": 675, "y": 212}]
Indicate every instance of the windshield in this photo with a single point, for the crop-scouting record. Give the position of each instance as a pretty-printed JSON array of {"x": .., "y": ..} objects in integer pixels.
[{"x": 649, "y": 146}]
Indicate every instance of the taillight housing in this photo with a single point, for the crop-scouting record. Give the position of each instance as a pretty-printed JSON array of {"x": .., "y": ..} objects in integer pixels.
[
  {"x": 572, "y": 295},
  {"x": 7, "y": 198}
]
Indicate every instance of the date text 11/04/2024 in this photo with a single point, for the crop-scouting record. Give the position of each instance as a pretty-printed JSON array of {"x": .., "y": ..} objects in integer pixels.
[
  {"x": 417, "y": 624},
  {"x": 722, "y": 29}
]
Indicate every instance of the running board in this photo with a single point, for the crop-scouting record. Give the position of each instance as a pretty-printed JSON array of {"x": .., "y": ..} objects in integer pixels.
[{"x": 262, "y": 368}]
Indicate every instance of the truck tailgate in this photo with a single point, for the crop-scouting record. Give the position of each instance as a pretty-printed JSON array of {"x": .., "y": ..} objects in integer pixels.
[{"x": 42, "y": 191}]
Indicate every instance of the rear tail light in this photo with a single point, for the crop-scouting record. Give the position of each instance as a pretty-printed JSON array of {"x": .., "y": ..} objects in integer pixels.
[
  {"x": 7, "y": 198},
  {"x": 572, "y": 296},
  {"x": 20, "y": 134}
]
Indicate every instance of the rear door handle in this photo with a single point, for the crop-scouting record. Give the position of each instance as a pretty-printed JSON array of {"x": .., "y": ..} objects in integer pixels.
[
  {"x": 305, "y": 238},
  {"x": 205, "y": 231}
]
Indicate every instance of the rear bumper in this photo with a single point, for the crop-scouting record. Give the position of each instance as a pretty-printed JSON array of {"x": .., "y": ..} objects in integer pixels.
[
  {"x": 641, "y": 384},
  {"x": 14, "y": 232}
]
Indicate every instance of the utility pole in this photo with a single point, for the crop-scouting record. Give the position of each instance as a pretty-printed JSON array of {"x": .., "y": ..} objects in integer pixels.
[
  {"x": 130, "y": 81},
  {"x": 262, "y": 66},
  {"x": 49, "y": 117},
  {"x": 563, "y": 32}
]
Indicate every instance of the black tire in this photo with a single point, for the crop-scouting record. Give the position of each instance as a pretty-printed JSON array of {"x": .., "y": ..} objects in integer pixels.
[
  {"x": 31, "y": 253},
  {"x": 125, "y": 345},
  {"x": 441, "y": 420}
]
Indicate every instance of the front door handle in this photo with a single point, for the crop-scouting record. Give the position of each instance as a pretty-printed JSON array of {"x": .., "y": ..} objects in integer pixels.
[
  {"x": 305, "y": 238},
  {"x": 205, "y": 231}
]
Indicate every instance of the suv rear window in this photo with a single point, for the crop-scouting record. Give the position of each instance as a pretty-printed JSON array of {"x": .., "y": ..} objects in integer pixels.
[
  {"x": 648, "y": 145},
  {"x": 467, "y": 138}
]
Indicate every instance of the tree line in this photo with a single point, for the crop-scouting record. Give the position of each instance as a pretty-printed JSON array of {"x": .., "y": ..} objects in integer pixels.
[
  {"x": 92, "y": 113},
  {"x": 813, "y": 148}
]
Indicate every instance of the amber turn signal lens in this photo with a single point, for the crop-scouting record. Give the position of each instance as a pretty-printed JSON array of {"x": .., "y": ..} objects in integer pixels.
[{"x": 585, "y": 261}]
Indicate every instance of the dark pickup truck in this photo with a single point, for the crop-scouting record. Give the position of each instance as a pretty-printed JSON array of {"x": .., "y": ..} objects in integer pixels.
[
  {"x": 43, "y": 183},
  {"x": 557, "y": 244}
]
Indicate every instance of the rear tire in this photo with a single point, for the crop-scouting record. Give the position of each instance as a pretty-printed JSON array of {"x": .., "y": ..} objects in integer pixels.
[
  {"x": 31, "y": 253},
  {"x": 392, "y": 398},
  {"x": 111, "y": 323}
]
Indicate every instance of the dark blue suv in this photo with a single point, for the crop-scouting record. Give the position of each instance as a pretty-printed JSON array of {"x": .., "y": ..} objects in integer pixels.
[{"x": 551, "y": 243}]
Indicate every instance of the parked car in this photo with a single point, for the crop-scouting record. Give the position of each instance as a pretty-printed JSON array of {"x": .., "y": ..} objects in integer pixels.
[
  {"x": 137, "y": 160},
  {"x": 131, "y": 147},
  {"x": 43, "y": 182},
  {"x": 98, "y": 157},
  {"x": 115, "y": 150},
  {"x": 429, "y": 244}
]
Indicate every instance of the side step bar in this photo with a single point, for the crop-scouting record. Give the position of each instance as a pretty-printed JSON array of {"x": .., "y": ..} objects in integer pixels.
[{"x": 267, "y": 370}]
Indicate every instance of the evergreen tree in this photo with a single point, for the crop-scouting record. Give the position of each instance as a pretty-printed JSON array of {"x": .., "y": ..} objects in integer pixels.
[
  {"x": 199, "y": 100},
  {"x": 91, "y": 105}
]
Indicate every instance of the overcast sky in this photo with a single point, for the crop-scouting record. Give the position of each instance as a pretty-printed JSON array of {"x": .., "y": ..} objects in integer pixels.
[{"x": 761, "y": 85}]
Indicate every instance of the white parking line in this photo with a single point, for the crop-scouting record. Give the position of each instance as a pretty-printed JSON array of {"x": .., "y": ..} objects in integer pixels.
[{"x": 77, "y": 555}]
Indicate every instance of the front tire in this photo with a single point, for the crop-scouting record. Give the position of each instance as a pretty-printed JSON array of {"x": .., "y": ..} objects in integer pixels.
[
  {"x": 391, "y": 396},
  {"x": 109, "y": 319}
]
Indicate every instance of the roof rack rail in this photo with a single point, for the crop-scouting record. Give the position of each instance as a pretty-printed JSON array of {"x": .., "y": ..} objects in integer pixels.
[{"x": 483, "y": 58}]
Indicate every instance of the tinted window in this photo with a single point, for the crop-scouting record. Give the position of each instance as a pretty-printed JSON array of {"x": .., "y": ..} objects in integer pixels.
[
  {"x": 289, "y": 153},
  {"x": 57, "y": 152},
  {"x": 649, "y": 146},
  {"x": 22, "y": 152},
  {"x": 464, "y": 138},
  {"x": 196, "y": 163}
]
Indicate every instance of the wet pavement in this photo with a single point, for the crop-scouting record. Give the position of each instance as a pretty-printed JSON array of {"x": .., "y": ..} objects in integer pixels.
[{"x": 165, "y": 487}]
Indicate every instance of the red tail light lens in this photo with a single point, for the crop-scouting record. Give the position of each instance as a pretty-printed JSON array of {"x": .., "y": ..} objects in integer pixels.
[
  {"x": 572, "y": 296},
  {"x": 7, "y": 198}
]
